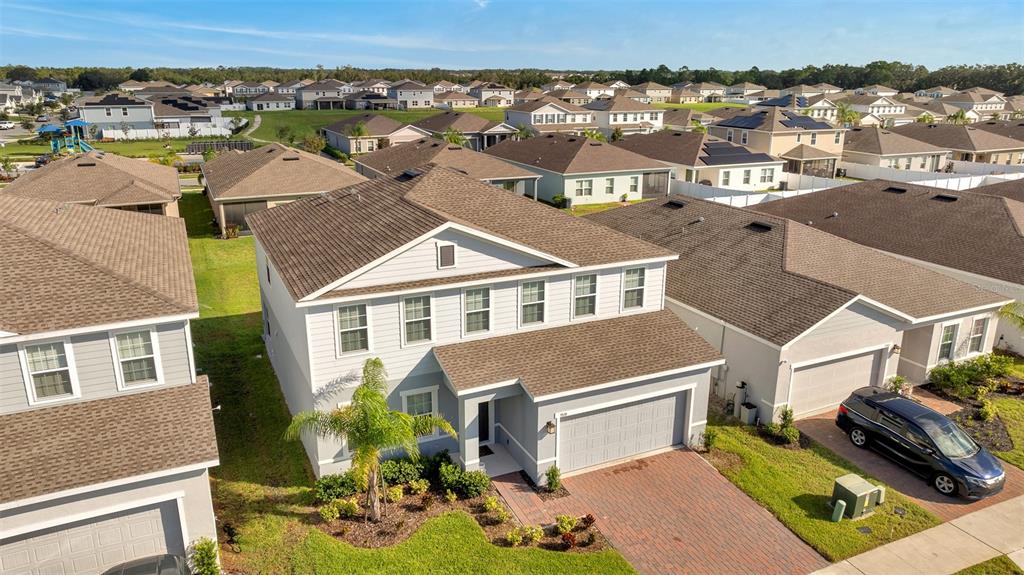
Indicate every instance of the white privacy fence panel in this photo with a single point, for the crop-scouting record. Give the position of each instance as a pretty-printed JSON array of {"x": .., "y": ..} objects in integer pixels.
[
  {"x": 977, "y": 168},
  {"x": 954, "y": 181},
  {"x": 740, "y": 199},
  {"x": 153, "y": 134}
]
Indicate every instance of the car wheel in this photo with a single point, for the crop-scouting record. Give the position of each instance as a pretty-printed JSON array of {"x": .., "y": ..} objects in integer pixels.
[
  {"x": 944, "y": 484},
  {"x": 859, "y": 437}
]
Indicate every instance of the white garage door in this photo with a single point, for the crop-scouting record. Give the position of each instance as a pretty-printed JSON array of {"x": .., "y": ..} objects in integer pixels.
[
  {"x": 821, "y": 387},
  {"x": 89, "y": 547},
  {"x": 622, "y": 431}
]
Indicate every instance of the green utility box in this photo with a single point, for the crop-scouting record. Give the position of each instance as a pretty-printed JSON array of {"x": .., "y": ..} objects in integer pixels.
[{"x": 861, "y": 497}]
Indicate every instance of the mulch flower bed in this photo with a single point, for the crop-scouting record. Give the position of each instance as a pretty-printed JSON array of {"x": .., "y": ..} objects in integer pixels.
[
  {"x": 542, "y": 491},
  {"x": 991, "y": 434}
]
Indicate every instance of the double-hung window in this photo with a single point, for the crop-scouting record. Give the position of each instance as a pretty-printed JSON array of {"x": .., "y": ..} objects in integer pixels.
[
  {"x": 839, "y": 136},
  {"x": 767, "y": 175},
  {"x": 634, "y": 184},
  {"x": 728, "y": 135},
  {"x": 743, "y": 137},
  {"x": 353, "y": 329},
  {"x": 746, "y": 176},
  {"x": 814, "y": 138},
  {"x": 585, "y": 295},
  {"x": 49, "y": 371},
  {"x": 417, "y": 319},
  {"x": 977, "y": 340},
  {"x": 533, "y": 300},
  {"x": 584, "y": 187},
  {"x": 419, "y": 402},
  {"x": 947, "y": 342},
  {"x": 609, "y": 185},
  {"x": 633, "y": 288},
  {"x": 478, "y": 310},
  {"x": 725, "y": 177},
  {"x": 136, "y": 358}
]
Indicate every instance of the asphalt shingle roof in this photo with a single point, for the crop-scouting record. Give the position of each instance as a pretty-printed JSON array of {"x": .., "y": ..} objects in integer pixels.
[
  {"x": 568, "y": 154},
  {"x": 274, "y": 170}
]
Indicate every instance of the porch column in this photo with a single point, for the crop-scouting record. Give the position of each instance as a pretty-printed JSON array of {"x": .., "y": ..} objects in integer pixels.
[{"x": 469, "y": 441}]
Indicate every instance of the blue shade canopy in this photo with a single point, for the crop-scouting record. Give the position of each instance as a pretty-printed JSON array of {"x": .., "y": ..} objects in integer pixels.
[
  {"x": 48, "y": 128},
  {"x": 76, "y": 122}
]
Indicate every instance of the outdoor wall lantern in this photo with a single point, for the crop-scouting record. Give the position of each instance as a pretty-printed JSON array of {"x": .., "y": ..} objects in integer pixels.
[
  {"x": 550, "y": 427},
  {"x": 896, "y": 348}
]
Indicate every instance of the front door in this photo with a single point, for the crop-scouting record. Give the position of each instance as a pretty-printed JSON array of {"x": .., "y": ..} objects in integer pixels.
[{"x": 484, "y": 432}]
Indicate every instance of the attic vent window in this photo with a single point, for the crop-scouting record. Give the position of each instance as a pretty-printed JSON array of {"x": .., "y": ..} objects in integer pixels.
[
  {"x": 445, "y": 255},
  {"x": 674, "y": 204},
  {"x": 760, "y": 227},
  {"x": 291, "y": 158},
  {"x": 86, "y": 164},
  {"x": 895, "y": 190},
  {"x": 412, "y": 173},
  {"x": 947, "y": 198}
]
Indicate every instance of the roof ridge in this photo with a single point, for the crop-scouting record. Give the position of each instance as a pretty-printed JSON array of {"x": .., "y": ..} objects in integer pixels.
[
  {"x": 785, "y": 256},
  {"x": 93, "y": 264}
]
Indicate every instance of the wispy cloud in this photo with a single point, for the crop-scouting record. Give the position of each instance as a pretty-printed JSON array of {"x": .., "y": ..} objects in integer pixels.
[
  {"x": 7, "y": 31},
  {"x": 481, "y": 4}
]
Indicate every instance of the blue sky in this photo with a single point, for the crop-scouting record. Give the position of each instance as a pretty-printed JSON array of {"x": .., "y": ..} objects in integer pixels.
[{"x": 726, "y": 34}]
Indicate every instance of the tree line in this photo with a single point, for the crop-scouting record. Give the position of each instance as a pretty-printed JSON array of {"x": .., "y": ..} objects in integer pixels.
[{"x": 1007, "y": 78}]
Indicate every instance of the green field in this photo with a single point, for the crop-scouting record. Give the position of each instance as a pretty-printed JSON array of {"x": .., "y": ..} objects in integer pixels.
[
  {"x": 701, "y": 107},
  {"x": 306, "y": 122},
  {"x": 136, "y": 149}
]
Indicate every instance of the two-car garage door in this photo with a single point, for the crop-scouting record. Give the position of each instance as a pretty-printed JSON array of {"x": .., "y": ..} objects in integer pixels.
[
  {"x": 823, "y": 386},
  {"x": 89, "y": 547},
  {"x": 621, "y": 431}
]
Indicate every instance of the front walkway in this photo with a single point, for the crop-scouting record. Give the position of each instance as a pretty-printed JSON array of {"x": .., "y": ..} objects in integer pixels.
[
  {"x": 672, "y": 513},
  {"x": 948, "y": 548}
]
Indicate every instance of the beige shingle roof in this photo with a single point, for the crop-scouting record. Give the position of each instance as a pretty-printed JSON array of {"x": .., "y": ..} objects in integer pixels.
[
  {"x": 316, "y": 241},
  {"x": 105, "y": 439},
  {"x": 882, "y": 142},
  {"x": 957, "y": 137},
  {"x": 394, "y": 160},
  {"x": 577, "y": 356},
  {"x": 274, "y": 170},
  {"x": 567, "y": 154},
  {"x": 99, "y": 179}
]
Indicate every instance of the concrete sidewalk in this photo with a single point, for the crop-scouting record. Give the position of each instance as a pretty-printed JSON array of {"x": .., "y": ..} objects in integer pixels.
[{"x": 948, "y": 548}]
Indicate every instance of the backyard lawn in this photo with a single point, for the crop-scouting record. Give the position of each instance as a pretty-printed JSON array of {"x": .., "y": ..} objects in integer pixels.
[
  {"x": 585, "y": 209},
  {"x": 796, "y": 485},
  {"x": 138, "y": 149},
  {"x": 702, "y": 106},
  {"x": 262, "y": 487},
  {"x": 1001, "y": 565},
  {"x": 306, "y": 122},
  {"x": 1011, "y": 412}
]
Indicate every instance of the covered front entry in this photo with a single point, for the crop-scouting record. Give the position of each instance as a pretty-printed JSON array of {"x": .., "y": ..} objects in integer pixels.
[
  {"x": 91, "y": 546},
  {"x": 823, "y": 386},
  {"x": 621, "y": 431}
]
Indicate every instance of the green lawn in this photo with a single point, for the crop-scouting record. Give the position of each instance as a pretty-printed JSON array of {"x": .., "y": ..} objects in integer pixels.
[
  {"x": 306, "y": 122},
  {"x": 137, "y": 149},
  {"x": 702, "y": 106},
  {"x": 262, "y": 486},
  {"x": 1011, "y": 412},
  {"x": 796, "y": 485},
  {"x": 1017, "y": 367},
  {"x": 595, "y": 208},
  {"x": 1001, "y": 565}
]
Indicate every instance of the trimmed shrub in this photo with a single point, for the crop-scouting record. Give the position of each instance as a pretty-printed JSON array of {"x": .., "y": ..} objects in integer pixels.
[
  {"x": 710, "y": 438},
  {"x": 791, "y": 434},
  {"x": 328, "y": 512},
  {"x": 419, "y": 486},
  {"x": 431, "y": 466},
  {"x": 450, "y": 496},
  {"x": 468, "y": 484},
  {"x": 554, "y": 478},
  {"x": 558, "y": 200},
  {"x": 491, "y": 504},
  {"x": 566, "y": 523},
  {"x": 988, "y": 411},
  {"x": 449, "y": 475},
  {"x": 532, "y": 534},
  {"x": 347, "y": 507},
  {"x": 335, "y": 153},
  {"x": 960, "y": 378},
  {"x": 399, "y": 471},
  {"x": 395, "y": 494},
  {"x": 203, "y": 557},
  {"x": 503, "y": 515},
  {"x": 786, "y": 416},
  {"x": 514, "y": 537},
  {"x": 335, "y": 486}
]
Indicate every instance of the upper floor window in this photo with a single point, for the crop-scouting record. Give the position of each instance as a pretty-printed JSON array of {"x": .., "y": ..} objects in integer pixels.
[
  {"x": 136, "y": 358},
  {"x": 728, "y": 135},
  {"x": 798, "y": 138},
  {"x": 49, "y": 372},
  {"x": 839, "y": 136},
  {"x": 533, "y": 300},
  {"x": 585, "y": 295},
  {"x": 417, "y": 319},
  {"x": 478, "y": 310},
  {"x": 947, "y": 342},
  {"x": 814, "y": 138},
  {"x": 743, "y": 137},
  {"x": 977, "y": 340},
  {"x": 633, "y": 288},
  {"x": 353, "y": 329},
  {"x": 107, "y": 111},
  {"x": 445, "y": 255}
]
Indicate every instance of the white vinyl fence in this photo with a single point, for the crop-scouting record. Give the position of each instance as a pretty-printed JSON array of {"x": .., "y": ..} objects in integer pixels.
[
  {"x": 977, "y": 168},
  {"x": 798, "y": 185},
  {"x": 954, "y": 181}
]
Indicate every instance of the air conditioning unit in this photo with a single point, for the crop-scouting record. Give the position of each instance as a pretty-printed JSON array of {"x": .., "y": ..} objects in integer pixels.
[
  {"x": 783, "y": 185},
  {"x": 854, "y": 497}
]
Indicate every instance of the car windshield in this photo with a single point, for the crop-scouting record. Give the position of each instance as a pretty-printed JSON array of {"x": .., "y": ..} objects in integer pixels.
[{"x": 948, "y": 437}]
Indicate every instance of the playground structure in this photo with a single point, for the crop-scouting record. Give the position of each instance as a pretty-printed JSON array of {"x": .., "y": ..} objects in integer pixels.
[{"x": 70, "y": 138}]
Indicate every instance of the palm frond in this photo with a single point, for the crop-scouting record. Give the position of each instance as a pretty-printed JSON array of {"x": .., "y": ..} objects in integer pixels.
[{"x": 1013, "y": 312}]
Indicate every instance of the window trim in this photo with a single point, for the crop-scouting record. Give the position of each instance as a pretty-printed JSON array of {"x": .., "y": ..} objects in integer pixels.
[
  {"x": 116, "y": 355},
  {"x": 338, "y": 353},
  {"x": 465, "y": 312},
  {"x": 519, "y": 306},
  {"x": 595, "y": 295},
  {"x": 984, "y": 335},
  {"x": 642, "y": 288},
  {"x": 432, "y": 390},
  {"x": 455, "y": 254},
  {"x": 401, "y": 315},
  {"x": 26, "y": 375},
  {"x": 952, "y": 350}
]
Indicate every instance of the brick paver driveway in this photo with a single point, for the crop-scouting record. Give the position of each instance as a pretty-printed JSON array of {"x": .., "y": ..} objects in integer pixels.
[
  {"x": 822, "y": 428},
  {"x": 672, "y": 513}
]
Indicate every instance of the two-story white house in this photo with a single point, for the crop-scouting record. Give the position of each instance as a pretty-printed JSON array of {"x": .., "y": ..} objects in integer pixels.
[
  {"x": 625, "y": 115},
  {"x": 412, "y": 95},
  {"x": 539, "y": 336},
  {"x": 549, "y": 114},
  {"x": 106, "y": 431},
  {"x": 327, "y": 94},
  {"x": 493, "y": 94}
]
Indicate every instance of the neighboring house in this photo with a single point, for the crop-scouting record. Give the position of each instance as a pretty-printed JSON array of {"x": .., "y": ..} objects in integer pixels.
[
  {"x": 411, "y": 95},
  {"x": 380, "y": 132},
  {"x": 586, "y": 171},
  {"x": 114, "y": 111},
  {"x": 523, "y": 96},
  {"x": 879, "y": 110},
  {"x": 819, "y": 107},
  {"x": 684, "y": 118},
  {"x": 368, "y": 100},
  {"x": 618, "y": 85},
  {"x": 271, "y": 84},
  {"x": 50, "y": 85},
  {"x": 242, "y": 183},
  {"x": 625, "y": 115},
  {"x": 325, "y": 94},
  {"x": 967, "y": 142},
  {"x": 455, "y": 99},
  {"x": 251, "y": 90},
  {"x": 493, "y": 94},
  {"x": 877, "y": 146},
  {"x": 704, "y": 159},
  {"x": 827, "y": 88},
  {"x": 106, "y": 431},
  {"x": 685, "y": 96},
  {"x": 983, "y": 103},
  {"x": 710, "y": 91},
  {"x": 763, "y": 95},
  {"x": 373, "y": 85},
  {"x": 742, "y": 90},
  {"x": 445, "y": 86},
  {"x": 134, "y": 85},
  {"x": 8, "y": 104},
  {"x": 940, "y": 111},
  {"x": 291, "y": 88},
  {"x": 1013, "y": 129},
  {"x": 631, "y": 94},
  {"x": 480, "y": 133},
  {"x": 549, "y": 114},
  {"x": 802, "y": 90},
  {"x": 656, "y": 92},
  {"x": 271, "y": 102},
  {"x": 228, "y": 87},
  {"x": 594, "y": 89},
  {"x": 936, "y": 92},
  {"x": 570, "y": 97},
  {"x": 949, "y": 232},
  {"x": 876, "y": 90},
  {"x": 393, "y": 161},
  {"x": 487, "y": 309},
  {"x": 810, "y": 146},
  {"x": 105, "y": 180},
  {"x": 557, "y": 85},
  {"x": 803, "y": 317}
]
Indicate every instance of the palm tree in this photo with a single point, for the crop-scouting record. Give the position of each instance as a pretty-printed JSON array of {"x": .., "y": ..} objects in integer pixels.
[
  {"x": 369, "y": 428},
  {"x": 1013, "y": 312},
  {"x": 592, "y": 134},
  {"x": 359, "y": 131},
  {"x": 523, "y": 132},
  {"x": 846, "y": 115},
  {"x": 959, "y": 117},
  {"x": 926, "y": 118},
  {"x": 617, "y": 134},
  {"x": 698, "y": 127},
  {"x": 453, "y": 136}
]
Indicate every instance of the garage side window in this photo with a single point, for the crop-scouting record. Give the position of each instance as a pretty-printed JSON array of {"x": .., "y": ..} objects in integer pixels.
[
  {"x": 947, "y": 342},
  {"x": 978, "y": 329}
]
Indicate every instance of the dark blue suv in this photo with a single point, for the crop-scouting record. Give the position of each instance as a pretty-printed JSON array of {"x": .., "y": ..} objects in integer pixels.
[{"x": 922, "y": 440}]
